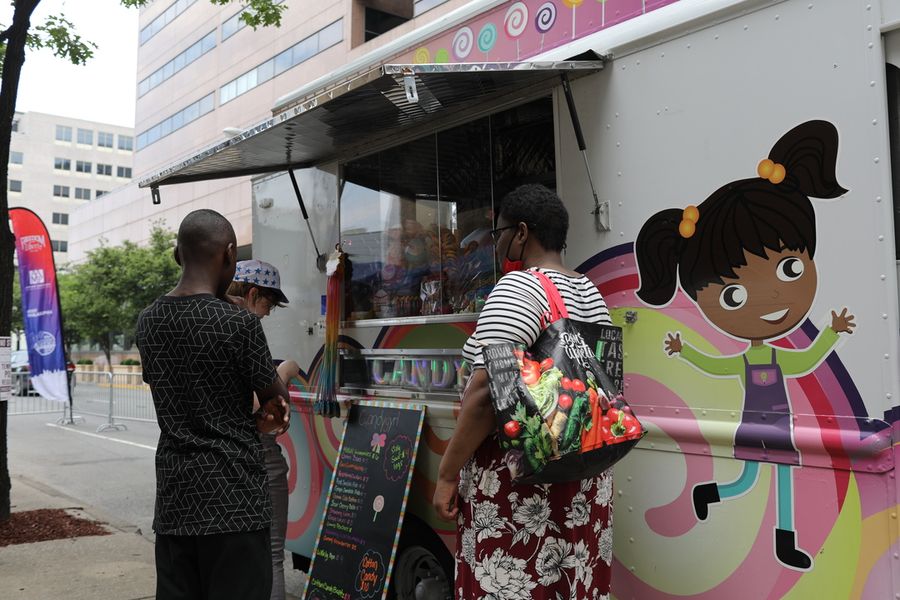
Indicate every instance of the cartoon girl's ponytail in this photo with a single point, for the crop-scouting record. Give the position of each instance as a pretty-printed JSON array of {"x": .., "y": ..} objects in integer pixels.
[
  {"x": 657, "y": 248},
  {"x": 808, "y": 155}
]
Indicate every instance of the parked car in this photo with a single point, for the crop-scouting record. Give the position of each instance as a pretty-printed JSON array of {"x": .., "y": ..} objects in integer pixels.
[{"x": 21, "y": 373}]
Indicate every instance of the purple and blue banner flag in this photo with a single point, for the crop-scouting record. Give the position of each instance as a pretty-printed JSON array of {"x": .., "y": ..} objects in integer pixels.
[{"x": 40, "y": 305}]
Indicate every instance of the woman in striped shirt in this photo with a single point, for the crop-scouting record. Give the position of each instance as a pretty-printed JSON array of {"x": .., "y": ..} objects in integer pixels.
[{"x": 523, "y": 541}]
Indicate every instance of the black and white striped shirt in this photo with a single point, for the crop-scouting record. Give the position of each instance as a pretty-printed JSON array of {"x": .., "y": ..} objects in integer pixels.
[{"x": 515, "y": 306}]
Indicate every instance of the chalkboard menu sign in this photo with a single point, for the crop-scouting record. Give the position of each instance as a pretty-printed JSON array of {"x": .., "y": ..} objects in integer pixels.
[{"x": 358, "y": 537}]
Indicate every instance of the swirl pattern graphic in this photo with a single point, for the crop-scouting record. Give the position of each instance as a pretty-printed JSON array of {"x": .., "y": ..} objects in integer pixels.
[
  {"x": 516, "y": 20},
  {"x": 487, "y": 37},
  {"x": 463, "y": 42},
  {"x": 545, "y": 17}
]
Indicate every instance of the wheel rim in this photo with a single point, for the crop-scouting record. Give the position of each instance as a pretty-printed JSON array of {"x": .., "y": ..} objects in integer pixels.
[{"x": 417, "y": 564}]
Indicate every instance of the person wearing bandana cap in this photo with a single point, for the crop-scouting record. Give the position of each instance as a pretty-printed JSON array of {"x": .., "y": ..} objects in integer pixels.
[{"x": 257, "y": 288}]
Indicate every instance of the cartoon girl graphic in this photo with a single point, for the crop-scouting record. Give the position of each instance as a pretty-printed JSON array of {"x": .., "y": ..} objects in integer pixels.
[{"x": 745, "y": 257}]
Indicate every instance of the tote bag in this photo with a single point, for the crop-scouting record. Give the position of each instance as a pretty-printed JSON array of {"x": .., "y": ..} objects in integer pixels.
[{"x": 560, "y": 410}]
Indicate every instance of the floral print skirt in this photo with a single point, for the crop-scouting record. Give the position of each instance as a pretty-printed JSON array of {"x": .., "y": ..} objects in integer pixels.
[{"x": 517, "y": 542}]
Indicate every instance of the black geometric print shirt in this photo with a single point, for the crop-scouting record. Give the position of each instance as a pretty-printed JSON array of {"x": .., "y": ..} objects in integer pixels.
[{"x": 203, "y": 359}]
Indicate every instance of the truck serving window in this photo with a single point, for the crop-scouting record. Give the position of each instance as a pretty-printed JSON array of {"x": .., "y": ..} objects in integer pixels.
[{"x": 416, "y": 218}]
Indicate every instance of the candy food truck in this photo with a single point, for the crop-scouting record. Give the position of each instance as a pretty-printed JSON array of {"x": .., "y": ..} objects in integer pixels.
[{"x": 732, "y": 173}]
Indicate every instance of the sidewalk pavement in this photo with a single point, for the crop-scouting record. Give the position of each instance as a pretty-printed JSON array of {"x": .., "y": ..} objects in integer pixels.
[{"x": 119, "y": 566}]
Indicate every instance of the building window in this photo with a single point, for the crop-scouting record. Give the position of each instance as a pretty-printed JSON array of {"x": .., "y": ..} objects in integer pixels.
[
  {"x": 15, "y": 185},
  {"x": 82, "y": 193},
  {"x": 60, "y": 218},
  {"x": 104, "y": 169},
  {"x": 62, "y": 164},
  {"x": 421, "y": 6},
  {"x": 293, "y": 56},
  {"x": 207, "y": 43},
  {"x": 156, "y": 25},
  {"x": 82, "y": 166},
  {"x": 123, "y": 172},
  {"x": 104, "y": 140},
  {"x": 59, "y": 245},
  {"x": 61, "y": 191},
  {"x": 380, "y": 22},
  {"x": 236, "y": 23},
  {"x": 99, "y": 193},
  {"x": 15, "y": 125},
  {"x": 16, "y": 158},
  {"x": 86, "y": 136},
  {"x": 177, "y": 121},
  {"x": 126, "y": 142},
  {"x": 63, "y": 133}
]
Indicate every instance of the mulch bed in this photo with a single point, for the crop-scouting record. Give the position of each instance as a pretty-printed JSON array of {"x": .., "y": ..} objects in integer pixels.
[{"x": 46, "y": 524}]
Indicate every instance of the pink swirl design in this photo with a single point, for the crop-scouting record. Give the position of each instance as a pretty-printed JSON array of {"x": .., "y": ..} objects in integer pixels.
[{"x": 516, "y": 20}]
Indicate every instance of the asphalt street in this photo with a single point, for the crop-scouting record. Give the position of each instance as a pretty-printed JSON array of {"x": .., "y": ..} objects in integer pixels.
[{"x": 110, "y": 471}]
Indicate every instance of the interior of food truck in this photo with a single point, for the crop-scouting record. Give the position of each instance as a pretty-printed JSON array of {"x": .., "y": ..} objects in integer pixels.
[{"x": 416, "y": 218}]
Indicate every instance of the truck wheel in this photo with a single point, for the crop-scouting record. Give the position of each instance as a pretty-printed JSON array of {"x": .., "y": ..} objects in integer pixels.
[{"x": 424, "y": 568}]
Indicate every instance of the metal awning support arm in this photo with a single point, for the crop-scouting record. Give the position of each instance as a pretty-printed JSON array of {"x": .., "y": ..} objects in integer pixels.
[
  {"x": 154, "y": 194},
  {"x": 601, "y": 209},
  {"x": 320, "y": 258}
]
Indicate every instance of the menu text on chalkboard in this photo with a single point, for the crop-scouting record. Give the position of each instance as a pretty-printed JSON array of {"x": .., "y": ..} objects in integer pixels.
[{"x": 358, "y": 537}]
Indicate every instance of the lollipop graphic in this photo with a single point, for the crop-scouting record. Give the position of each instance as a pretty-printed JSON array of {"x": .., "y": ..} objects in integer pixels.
[
  {"x": 463, "y": 42},
  {"x": 487, "y": 37},
  {"x": 422, "y": 56},
  {"x": 515, "y": 22},
  {"x": 377, "y": 506},
  {"x": 442, "y": 56},
  {"x": 573, "y": 4},
  {"x": 544, "y": 19}
]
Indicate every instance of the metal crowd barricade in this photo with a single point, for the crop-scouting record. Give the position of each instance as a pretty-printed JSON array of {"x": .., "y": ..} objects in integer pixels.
[{"x": 26, "y": 401}]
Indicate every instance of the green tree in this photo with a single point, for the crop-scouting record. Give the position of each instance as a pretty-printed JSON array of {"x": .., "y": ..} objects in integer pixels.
[
  {"x": 57, "y": 34},
  {"x": 104, "y": 294}
]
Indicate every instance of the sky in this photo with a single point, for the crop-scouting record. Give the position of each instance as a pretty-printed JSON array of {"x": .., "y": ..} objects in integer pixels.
[{"x": 102, "y": 90}]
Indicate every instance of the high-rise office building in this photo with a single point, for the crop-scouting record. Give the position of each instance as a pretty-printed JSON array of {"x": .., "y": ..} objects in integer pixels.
[
  {"x": 201, "y": 73},
  {"x": 58, "y": 164}
]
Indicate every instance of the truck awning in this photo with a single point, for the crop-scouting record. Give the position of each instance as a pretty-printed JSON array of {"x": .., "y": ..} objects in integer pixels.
[{"x": 360, "y": 113}]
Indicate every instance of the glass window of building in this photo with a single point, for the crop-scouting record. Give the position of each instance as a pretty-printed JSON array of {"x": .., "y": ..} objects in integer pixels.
[
  {"x": 15, "y": 125},
  {"x": 167, "y": 16},
  {"x": 123, "y": 172},
  {"x": 16, "y": 158},
  {"x": 126, "y": 142},
  {"x": 99, "y": 193},
  {"x": 82, "y": 166},
  {"x": 298, "y": 53},
  {"x": 192, "y": 53},
  {"x": 418, "y": 217},
  {"x": 104, "y": 140},
  {"x": 59, "y": 245},
  {"x": 61, "y": 191},
  {"x": 60, "y": 218},
  {"x": 183, "y": 117},
  {"x": 15, "y": 185},
  {"x": 62, "y": 164},
  {"x": 82, "y": 193},
  {"x": 104, "y": 169},
  {"x": 86, "y": 136},
  {"x": 378, "y": 22},
  {"x": 63, "y": 133}
]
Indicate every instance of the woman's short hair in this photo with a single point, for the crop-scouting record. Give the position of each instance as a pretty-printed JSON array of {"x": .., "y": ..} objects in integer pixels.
[{"x": 542, "y": 210}]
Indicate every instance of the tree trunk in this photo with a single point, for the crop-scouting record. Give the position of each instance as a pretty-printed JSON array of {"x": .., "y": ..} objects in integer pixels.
[{"x": 13, "y": 60}]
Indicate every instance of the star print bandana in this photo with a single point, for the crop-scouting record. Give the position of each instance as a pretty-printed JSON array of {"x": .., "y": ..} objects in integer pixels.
[{"x": 261, "y": 274}]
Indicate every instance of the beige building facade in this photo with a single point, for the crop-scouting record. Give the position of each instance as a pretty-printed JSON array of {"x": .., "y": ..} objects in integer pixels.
[
  {"x": 202, "y": 74},
  {"x": 58, "y": 164}
]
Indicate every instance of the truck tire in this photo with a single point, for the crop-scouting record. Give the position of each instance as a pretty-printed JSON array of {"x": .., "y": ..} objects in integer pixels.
[{"x": 423, "y": 569}]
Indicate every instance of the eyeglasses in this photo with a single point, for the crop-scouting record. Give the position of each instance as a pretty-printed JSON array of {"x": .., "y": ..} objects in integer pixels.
[{"x": 495, "y": 233}]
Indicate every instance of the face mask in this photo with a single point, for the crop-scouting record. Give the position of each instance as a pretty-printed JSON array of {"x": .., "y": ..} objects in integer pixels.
[{"x": 508, "y": 266}]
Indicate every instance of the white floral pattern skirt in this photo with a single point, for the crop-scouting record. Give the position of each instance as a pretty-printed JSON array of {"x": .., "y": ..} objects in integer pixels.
[{"x": 517, "y": 542}]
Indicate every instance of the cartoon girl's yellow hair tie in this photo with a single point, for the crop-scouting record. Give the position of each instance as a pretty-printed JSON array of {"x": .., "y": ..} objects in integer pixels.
[
  {"x": 689, "y": 218},
  {"x": 770, "y": 170}
]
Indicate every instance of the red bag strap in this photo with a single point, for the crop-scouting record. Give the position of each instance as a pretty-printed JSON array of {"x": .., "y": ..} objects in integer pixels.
[{"x": 558, "y": 308}]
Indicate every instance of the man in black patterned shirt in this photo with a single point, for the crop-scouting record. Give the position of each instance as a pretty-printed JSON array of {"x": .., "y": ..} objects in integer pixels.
[{"x": 203, "y": 359}]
